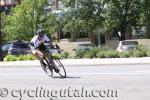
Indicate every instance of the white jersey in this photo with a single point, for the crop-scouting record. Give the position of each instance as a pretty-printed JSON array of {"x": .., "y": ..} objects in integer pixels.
[{"x": 36, "y": 41}]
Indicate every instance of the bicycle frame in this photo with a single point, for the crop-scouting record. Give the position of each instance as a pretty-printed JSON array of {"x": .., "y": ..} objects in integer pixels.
[{"x": 54, "y": 64}]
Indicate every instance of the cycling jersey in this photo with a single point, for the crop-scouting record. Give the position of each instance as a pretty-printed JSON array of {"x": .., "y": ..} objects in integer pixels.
[{"x": 36, "y": 42}]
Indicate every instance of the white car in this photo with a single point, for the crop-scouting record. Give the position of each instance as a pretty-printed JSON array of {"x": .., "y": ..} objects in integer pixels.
[{"x": 127, "y": 45}]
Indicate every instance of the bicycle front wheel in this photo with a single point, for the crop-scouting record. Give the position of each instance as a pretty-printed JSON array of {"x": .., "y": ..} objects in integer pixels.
[
  {"x": 58, "y": 65},
  {"x": 46, "y": 67}
]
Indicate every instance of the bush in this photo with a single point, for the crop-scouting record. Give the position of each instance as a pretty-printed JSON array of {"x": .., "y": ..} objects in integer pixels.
[
  {"x": 148, "y": 53},
  {"x": 101, "y": 54},
  {"x": 19, "y": 58},
  {"x": 56, "y": 55},
  {"x": 138, "y": 54},
  {"x": 93, "y": 53},
  {"x": 111, "y": 54},
  {"x": 29, "y": 57},
  {"x": 65, "y": 55},
  {"x": 107, "y": 53},
  {"x": 10, "y": 58},
  {"x": 87, "y": 55},
  {"x": 140, "y": 51},
  {"x": 124, "y": 54},
  {"x": 79, "y": 54}
]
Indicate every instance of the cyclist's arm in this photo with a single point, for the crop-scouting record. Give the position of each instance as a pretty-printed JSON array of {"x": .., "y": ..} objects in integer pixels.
[{"x": 48, "y": 40}]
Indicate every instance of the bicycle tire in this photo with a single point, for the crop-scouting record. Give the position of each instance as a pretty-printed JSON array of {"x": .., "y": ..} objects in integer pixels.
[
  {"x": 59, "y": 65},
  {"x": 47, "y": 69}
]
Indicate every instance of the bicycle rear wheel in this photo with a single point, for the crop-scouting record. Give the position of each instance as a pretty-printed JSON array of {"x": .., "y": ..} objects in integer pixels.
[
  {"x": 46, "y": 67},
  {"x": 58, "y": 65}
]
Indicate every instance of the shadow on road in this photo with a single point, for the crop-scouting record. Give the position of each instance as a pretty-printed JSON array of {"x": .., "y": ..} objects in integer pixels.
[{"x": 70, "y": 77}]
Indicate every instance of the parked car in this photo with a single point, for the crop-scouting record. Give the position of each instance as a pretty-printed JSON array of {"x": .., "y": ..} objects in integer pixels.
[
  {"x": 16, "y": 48},
  {"x": 5, "y": 48},
  {"x": 19, "y": 48},
  {"x": 127, "y": 45},
  {"x": 85, "y": 47}
]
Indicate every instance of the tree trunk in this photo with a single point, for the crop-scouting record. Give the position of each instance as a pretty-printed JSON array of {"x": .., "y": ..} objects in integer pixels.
[
  {"x": 72, "y": 37},
  {"x": 123, "y": 32},
  {"x": 148, "y": 31},
  {"x": 147, "y": 17},
  {"x": 1, "y": 55},
  {"x": 123, "y": 25},
  {"x": 116, "y": 32},
  {"x": 147, "y": 24}
]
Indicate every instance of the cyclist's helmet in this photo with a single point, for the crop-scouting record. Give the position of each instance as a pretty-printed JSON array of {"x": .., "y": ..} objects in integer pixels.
[{"x": 40, "y": 33}]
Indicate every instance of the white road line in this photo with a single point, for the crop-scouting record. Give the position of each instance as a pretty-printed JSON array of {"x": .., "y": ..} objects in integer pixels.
[
  {"x": 77, "y": 74},
  {"x": 112, "y": 73},
  {"x": 22, "y": 74}
]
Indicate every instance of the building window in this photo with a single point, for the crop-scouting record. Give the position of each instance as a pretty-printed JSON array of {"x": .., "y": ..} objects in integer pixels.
[{"x": 49, "y": 1}]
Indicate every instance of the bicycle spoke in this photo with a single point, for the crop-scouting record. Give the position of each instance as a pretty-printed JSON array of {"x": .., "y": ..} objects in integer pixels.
[{"x": 58, "y": 66}]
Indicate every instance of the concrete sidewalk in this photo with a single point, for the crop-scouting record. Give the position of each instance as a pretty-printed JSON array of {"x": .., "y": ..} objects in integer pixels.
[{"x": 82, "y": 62}]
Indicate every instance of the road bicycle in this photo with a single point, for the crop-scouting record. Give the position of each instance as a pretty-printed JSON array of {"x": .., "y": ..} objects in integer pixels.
[{"x": 54, "y": 65}]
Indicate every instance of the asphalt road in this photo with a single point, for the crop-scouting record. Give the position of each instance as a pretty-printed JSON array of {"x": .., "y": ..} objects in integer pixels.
[{"x": 107, "y": 82}]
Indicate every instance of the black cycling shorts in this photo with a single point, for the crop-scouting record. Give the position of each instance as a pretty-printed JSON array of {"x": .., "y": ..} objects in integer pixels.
[{"x": 42, "y": 47}]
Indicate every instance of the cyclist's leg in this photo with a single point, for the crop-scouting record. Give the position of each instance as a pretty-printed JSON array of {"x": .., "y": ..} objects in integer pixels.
[
  {"x": 38, "y": 54},
  {"x": 48, "y": 55}
]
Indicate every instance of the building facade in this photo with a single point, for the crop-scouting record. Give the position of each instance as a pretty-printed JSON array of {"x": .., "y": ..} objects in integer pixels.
[{"x": 6, "y": 5}]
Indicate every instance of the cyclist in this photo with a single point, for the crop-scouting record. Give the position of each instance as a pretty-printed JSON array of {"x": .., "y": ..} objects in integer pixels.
[{"x": 39, "y": 47}]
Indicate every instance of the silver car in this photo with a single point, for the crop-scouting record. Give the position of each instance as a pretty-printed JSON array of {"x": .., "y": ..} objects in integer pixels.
[
  {"x": 127, "y": 45},
  {"x": 85, "y": 47}
]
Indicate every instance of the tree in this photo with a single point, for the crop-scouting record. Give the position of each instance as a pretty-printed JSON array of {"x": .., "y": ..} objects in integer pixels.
[
  {"x": 26, "y": 18},
  {"x": 122, "y": 14},
  {"x": 146, "y": 16},
  {"x": 82, "y": 16},
  {"x": 1, "y": 34}
]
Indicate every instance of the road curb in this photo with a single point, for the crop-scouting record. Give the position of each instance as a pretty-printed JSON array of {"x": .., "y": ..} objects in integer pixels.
[
  {"x": 107, "y": 61},
  {"x": 83, "y": 62}
]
